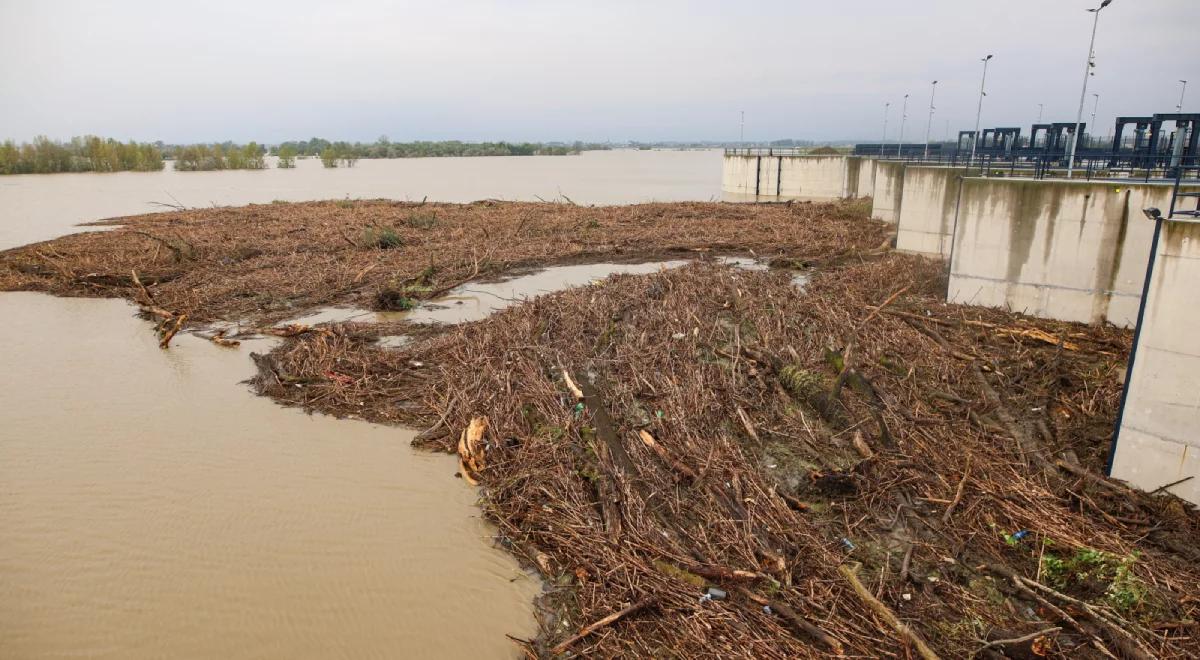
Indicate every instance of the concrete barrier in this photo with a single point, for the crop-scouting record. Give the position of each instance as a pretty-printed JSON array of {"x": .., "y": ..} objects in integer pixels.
[
  {"x": 926, "y": 218},
  {"x": 1067, "y": 250},
  {"x": 805, "y": 178},
  {"x": 863, "y": 181},
  {"x": 888, "y": 190},
  {"x": 1156, "y": 442}
]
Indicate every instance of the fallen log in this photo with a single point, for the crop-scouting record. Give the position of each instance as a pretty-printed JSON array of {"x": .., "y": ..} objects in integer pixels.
[
  {"x": 471, "y": 449},
  {"x": 886, "y": 613},
  {"x": 221, "y": 340},
  {"x": 170, "y": 333},
  {"x": 606, "y": 621},
  {"x": 795, "y": 621}
]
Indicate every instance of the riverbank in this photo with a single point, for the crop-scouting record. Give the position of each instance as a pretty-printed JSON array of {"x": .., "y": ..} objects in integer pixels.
[{"x": 855, "y": 465}]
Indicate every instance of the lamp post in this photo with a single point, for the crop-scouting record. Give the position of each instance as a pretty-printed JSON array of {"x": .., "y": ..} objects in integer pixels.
[
  {"x": 903, "y": 117},
  {"x": 1087, "y": 70},
  {"x": 1041, "y": 106},
  {"x": 886, "y": 107},
  {"x": 1095, "y": 107},
  {"x": 929, "y": 125},
  {"x": 979, "y": 111},
  {"x": 1182, "y": 91},
  {"x": 742, "y": 129}
]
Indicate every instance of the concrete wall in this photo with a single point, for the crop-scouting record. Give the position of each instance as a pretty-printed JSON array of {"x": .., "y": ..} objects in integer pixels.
[
  {"x": 1157, "y": 441},
  {"x": 926, "y": 217},
  {"x": 863, "y": 183},
  {"x": 888, "y": 190},
  {"x": 812, "y": 178},
  {"x": 738, "y": 174},
  {"x": 1067, "y": 250},
  {"x": 816, "y": 178}
]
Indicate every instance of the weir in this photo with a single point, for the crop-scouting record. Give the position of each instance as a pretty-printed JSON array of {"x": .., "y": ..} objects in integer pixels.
[{"x": 1072, "y": 250}]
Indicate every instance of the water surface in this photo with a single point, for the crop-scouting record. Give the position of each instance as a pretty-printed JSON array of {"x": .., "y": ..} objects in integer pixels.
[{"x": 152, "y": 507}]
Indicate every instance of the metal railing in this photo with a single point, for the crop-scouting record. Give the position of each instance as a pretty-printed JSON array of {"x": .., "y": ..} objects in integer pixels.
[
  {"x": 771, "y": 151},
  {"x": 1089, "y": 165}
]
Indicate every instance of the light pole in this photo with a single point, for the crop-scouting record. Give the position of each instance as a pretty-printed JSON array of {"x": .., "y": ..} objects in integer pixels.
[
  {"x": 1095, "y": 107},
  {"x": 1182, "y": 91},
  {"x": 929, "y": 125},
  {"x": 883, "y": 140},
  {"x": 1041, "y": 106},
  {"x": 979, "y": 111},
  {"x": 903, "y": 117},
  {"x": 1087, "y": 70},
  {"x": 742, "y": 129}
]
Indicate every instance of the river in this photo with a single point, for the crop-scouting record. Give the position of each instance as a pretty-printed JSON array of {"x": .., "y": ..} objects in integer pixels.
[{"x": 152, "y": 506}]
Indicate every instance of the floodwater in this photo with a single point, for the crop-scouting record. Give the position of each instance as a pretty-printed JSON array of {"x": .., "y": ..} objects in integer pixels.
[
  {"x": 478, "y": 300},
  {"x": 474, "y": 301},
  {"x": 152, "y": 507},
  {"x": 36, "y": 207}
]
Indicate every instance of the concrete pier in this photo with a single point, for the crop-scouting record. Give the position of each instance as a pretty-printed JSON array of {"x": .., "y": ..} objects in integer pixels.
[
  {"x": 803, "y": 178},
  {"x": 888, "y": 192},
  {"x": 1156, "y": 442},
  {"x": 926, "y": 219},
  {"x": 1067, "y": 250}
]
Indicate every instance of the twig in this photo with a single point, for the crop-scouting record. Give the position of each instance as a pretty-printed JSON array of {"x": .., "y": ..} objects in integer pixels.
[
  {"x": 958, "y": 493},
  {"x": 886, "y": 614},
  {"x": 1018, "y": 640},
  {"x": 606, "y": 621},
  {"x": 1160, "y": 489}
]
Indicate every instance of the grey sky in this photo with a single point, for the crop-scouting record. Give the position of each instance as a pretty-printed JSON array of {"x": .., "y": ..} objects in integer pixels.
[{"x": 559, "y": 70}]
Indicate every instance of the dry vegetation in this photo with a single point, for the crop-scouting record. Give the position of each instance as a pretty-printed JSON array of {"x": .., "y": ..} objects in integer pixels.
[{"x": 859, "y": 467}]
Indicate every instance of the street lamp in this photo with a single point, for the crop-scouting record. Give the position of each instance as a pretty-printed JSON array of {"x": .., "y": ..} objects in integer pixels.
[
  {"x": 979, "y": 111},
  {"x": 903, "y": 117},
  {"x": 1041, "y": 106},
  {"x": 1095, "y": 106},
  {"x": 1087, "y": 70},
  {"x": 929, "y": 125},
  {"x": 1182, "y": 91},
  {"x": 886, "y": 107}
]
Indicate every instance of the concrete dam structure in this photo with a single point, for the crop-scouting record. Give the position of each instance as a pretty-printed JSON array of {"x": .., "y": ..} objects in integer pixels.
[{"x": 1071, "y": 250}]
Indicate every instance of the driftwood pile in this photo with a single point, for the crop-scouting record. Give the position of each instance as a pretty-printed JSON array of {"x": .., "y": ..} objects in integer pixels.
[
  {"x": 858, "y": 468},
  {"x": 707, "y": 461}
]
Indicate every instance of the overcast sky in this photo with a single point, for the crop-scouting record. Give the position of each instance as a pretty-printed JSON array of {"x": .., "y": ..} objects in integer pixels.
[{"x": 270, "y": 70}]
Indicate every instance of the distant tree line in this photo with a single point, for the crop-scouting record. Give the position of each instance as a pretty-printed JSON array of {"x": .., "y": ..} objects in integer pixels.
[
  {"x": 81, "y": 154},
  {"x": 385, "y": 148},
  {"x": 94, "y": 154}
]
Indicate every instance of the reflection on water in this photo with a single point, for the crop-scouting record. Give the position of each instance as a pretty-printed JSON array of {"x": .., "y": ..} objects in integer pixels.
[
  {"x": 35, "y": 207},
  {"x": 152, "y": 507}
]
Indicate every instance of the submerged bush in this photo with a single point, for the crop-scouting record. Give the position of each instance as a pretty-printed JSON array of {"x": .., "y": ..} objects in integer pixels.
[
  {"x": 383, "y": 238},
  {"x": 205, "y": 157},
  {"x": 287, "y": 157},
  {"x": 392, "y": 300}
]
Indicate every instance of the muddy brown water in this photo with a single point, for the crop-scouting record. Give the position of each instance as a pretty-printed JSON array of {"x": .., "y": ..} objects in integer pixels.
[{"x": 151, "y": 506}]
